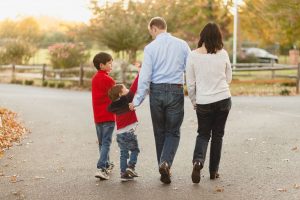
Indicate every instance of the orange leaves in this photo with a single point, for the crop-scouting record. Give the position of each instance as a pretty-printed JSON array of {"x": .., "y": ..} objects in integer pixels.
[{"x": 10, "y": 129}]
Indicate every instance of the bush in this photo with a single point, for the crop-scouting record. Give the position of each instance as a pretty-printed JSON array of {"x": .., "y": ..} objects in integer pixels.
[
  {"x": 67, "y": 55},
  {"x": 52, "y": 85},
  {"x": 61, "y": 85},
  {"x": 45, "y": 83},
  {"x": 16, "y": 51},
  {"x": 29, "y": 82},
  {"x": 17, "y": 82},
  {"x": 285, "y": 92}
]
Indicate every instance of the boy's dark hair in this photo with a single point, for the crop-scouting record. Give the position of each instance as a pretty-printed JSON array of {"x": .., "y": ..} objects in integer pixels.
[
  {"x": 211, "y": 37},
  {"x": 159, "y": 22},
  {"x": 101, "y": 57},
  {"x": 114, "y": 92}
]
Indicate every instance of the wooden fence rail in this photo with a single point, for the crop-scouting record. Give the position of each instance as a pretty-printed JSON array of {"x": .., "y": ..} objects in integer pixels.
[{"x": 42, "y": 72}]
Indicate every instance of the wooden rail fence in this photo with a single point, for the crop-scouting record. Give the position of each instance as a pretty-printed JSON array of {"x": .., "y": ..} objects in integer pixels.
[{"x": 78, "y": 74}]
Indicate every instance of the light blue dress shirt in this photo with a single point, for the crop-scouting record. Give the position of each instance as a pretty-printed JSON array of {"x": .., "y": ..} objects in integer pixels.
[{"x": 164, "y": 62}]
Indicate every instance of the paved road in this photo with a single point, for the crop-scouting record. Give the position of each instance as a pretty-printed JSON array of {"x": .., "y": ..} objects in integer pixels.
[{"x": 57, "y": 160}]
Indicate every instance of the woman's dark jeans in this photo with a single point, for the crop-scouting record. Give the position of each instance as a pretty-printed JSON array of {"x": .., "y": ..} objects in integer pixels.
[{"x": 211, "y": 123}]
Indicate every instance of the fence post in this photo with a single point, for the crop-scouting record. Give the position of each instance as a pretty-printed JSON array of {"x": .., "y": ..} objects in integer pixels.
[
  {"x": 44, "y": 72},
  {"x": 273, "y": 71},
  {"x": 298, "y": 79},
  {"x": 13, "y": 74},
  {"x": 81, "y": 74}
]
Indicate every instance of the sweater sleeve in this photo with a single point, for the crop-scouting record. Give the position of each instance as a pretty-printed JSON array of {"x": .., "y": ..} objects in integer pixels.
[
  {"x": 191, "y": 80},
  {"x": 228, "y": 70}
]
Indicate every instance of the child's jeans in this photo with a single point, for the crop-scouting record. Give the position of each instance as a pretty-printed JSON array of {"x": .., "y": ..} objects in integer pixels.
[
  {"x": 127, "y": 141},
  {"x": 104, "y": 134}
]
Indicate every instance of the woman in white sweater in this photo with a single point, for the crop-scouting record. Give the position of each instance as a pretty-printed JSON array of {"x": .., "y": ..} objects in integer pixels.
[{"x": 208, "y": 75}]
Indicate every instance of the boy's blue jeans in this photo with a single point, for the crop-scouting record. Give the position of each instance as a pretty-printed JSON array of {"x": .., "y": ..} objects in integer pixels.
[
  {"x": 104, "y": 134},
  {"x": 127, "y": 141}
]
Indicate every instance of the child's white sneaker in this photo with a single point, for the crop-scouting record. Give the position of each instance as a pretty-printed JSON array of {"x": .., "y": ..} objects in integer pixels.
[
  {"x": 131, "y": 172},
  {"x": 102, "y": 174}
]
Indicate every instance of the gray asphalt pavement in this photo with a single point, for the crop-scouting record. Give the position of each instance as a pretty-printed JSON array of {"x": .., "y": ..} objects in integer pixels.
[{"x": 57, "y": 160}]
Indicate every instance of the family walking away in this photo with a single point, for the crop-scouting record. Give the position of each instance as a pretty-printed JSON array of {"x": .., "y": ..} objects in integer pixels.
[{"x": 166, "y": 60}]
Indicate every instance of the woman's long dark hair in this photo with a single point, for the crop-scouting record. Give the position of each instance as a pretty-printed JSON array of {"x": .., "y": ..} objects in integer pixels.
[{"x": 211, "y": 37}]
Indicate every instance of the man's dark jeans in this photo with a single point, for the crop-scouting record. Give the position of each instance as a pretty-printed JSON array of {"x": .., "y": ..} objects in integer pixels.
[
  {"x": 167, "y": 111},
  {"x": 211, "y": 123}
]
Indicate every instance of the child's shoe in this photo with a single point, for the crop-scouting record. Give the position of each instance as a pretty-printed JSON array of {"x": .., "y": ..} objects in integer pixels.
[
  {"x": 102, "y": 174},
  {"x": 131, "y": 172},
  {"x": 110, "y": 167},
  {"x": 126, "y": 177}
]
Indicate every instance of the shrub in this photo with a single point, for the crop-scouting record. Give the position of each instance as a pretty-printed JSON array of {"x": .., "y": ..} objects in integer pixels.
[
  {"x": 66, "y": 55},
  {"x": 16, "y": 51},
  {"x": 285, "y": 92},
  {"x": 17, "y": 82},
  {"x": 45, "y": 83},
  {"x": 29, "y": 82},
  {"x": 61, "y": 85},
  {"x": 52, "y": 85}
]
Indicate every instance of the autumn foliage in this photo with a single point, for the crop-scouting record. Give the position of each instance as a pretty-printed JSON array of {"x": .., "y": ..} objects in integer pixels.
[{"x": 10, "y": 129}]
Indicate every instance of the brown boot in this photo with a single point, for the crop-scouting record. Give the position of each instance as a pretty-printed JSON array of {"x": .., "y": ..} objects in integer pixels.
[
  {"x": 214, "y": 175},
  {"x": 165, "y": 175},
  {"x": 196, "y": 174}
]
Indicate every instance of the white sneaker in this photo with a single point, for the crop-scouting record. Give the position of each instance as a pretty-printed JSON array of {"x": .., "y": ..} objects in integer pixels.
[
  {"x": 102, "y": 174},
  {"x": 131, "y": 172}
]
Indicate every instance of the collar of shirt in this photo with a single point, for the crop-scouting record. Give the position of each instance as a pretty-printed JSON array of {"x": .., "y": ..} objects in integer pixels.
[
  {"x": 162, "y": 35},
  {"x": 101, "y": 71}
]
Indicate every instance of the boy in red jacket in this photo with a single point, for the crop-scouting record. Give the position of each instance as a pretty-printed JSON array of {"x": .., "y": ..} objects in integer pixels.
[
  {"x": 126, "y": 125},
  {"x": 104, "y": 120}
]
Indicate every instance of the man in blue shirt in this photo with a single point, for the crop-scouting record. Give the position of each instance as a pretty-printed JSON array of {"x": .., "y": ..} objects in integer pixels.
[{"x": 162, "y": 76}]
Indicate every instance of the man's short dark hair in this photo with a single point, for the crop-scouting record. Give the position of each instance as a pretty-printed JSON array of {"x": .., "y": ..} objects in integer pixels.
[
  {"x": 101, "y": 57},
  {"x": 159, "y": 22},
  {"x": 114, "y": 92}
]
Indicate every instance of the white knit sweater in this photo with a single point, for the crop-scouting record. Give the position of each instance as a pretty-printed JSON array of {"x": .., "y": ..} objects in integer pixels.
[{"x": 208, "y": 77}]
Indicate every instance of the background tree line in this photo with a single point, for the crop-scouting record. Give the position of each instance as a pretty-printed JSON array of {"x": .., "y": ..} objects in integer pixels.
[{"x": 122, "y": 26}]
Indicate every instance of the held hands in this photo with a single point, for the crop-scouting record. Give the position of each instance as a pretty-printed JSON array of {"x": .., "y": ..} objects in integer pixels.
[
  {"x": 131, "y": 106},
  {"x": 195, "y": 106}
]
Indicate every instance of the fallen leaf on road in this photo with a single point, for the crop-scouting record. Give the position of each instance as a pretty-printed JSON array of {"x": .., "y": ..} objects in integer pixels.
[
  {"x": 19, "y": 195},
  {"x": 294, "y": 148},
  {"x": 13, "y": 179},
  {"x": 219, "y": 189},
  {"x": 175, "y": 188},
  {"x": 296, "y": 186},
  {"x": 1, "y": 153},
  {"x": 282, "y": 190},
  {"x": 1, "y": 174},
  {"x": 39, "y": 177},
  {"x": 10, "y": 157},
  {"x": 286, "y": 160},
  {"x": 11, "y": 130}
]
